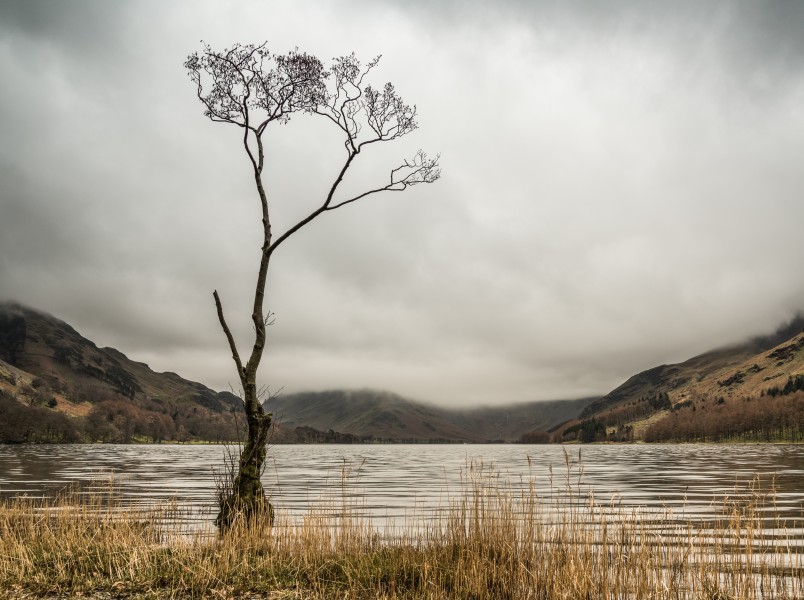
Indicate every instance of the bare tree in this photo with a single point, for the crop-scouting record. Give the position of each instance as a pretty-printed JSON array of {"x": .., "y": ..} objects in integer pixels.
[{"x": 248, "y": 87}]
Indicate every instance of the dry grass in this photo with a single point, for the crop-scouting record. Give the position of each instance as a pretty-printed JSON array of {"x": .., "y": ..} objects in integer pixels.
[{"x": 493, "y": 541}]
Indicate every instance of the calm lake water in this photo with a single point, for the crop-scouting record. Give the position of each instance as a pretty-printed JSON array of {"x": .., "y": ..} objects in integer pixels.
[{"x": 395, "y": 482}]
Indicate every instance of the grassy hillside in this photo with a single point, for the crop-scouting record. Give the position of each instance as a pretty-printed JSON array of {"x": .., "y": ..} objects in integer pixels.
[
  {"x": 46, "y": 364},
  {"x": 513, "y": 421},
  {"x": 364, "y": 413},
  {"x": 735, "y": 387},
  {"x": 678, "y": 378},
  {"x": 388, "y": 416}
]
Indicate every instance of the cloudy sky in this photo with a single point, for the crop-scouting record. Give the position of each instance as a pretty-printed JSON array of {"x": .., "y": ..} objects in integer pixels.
[{"x": 623, "y": 186}]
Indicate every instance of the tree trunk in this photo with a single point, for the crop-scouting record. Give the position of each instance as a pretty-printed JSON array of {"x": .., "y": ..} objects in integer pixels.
[{"x": 247, "y": 498}]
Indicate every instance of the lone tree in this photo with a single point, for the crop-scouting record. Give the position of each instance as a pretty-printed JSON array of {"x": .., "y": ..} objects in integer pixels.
[{"x": 251, "y": 88}]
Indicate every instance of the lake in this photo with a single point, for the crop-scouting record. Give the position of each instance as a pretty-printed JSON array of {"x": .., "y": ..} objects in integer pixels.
[{"x": 391, "y": 483}]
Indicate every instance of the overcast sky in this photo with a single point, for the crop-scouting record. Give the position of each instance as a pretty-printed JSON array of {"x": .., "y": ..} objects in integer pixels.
[{"x": 623, "y": 186}]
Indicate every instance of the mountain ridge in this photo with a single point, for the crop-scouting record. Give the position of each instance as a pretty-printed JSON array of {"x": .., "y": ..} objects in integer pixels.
[
  {"x": 387, "y": 415},
  {"x": 85, "y": 392},
  {"x": 725, "y": 382},
  {"x": 664, "y": 378},
  {"x": 45, "y": 363}
]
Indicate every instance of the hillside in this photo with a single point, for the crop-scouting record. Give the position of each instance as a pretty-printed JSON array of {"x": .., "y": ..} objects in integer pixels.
[
  {"x": 56, "y": 385},
  {"x": 677, "y": 378},
  {"x": 388, "y": 416},
  {"x": 366, "y": 413},
  {"x": 762, "y": 368},
  {"x": 46, "y": 364}
]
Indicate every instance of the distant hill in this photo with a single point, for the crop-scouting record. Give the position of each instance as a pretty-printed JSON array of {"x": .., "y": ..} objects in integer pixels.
[
  {"x": 56, "y": 386},
  {"x": 674, "y": 379},
  {"x": 388, "y": 416},
  {"x": 46, "y": 364},
  {"x": 759, "y": 368}
]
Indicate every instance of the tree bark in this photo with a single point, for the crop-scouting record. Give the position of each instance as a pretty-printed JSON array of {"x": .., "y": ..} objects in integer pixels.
[{"x": 248, "y": 494}]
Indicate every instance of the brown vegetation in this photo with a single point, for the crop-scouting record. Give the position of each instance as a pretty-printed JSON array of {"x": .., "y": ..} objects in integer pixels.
[
  {"x": 20, "y": 423},
  {"x": 765, "y": 418},
  {"x": 670, "y": 402},
  {"x": 113, "y": 421},
  {"x": 535, "y": 437},
  {"x": 97, "y": 394},
  {"x": 491, "y": 542}
]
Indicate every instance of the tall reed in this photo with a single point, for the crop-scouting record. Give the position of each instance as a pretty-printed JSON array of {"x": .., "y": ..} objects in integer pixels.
[{"x": 494, "y": 540}]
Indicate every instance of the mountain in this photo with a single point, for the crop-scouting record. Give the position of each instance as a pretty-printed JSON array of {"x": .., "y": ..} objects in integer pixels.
[
  {"x": 56, "y": 385},
  {"x": 673, "y": 379},
  {"x": 761, "y": 367},
  {"x": 46, "y": 364},
  {"x": 388, "y": 416}
]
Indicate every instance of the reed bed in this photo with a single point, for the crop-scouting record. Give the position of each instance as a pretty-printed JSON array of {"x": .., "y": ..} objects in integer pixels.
[{"x": 493, "y": 540}]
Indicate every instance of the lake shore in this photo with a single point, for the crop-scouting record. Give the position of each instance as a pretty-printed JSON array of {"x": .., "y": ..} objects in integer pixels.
[{"x": 490, "y": 541}]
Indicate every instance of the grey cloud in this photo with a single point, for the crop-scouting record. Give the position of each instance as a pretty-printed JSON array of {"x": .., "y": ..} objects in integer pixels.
[
  {"x": 85, "y": 27},
  {"x": 621, "y": 188}
]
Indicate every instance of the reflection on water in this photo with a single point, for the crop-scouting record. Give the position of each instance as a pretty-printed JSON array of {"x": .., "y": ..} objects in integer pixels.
[{"x": 397, "y": 481}]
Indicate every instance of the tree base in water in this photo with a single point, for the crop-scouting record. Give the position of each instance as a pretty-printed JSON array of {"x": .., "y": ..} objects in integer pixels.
[{"x": 234, "y": 508}]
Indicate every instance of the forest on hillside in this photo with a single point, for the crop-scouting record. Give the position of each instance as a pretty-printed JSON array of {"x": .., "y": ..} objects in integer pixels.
[
  {"x": 111, "y": 421},
  {"x": 767, "y": 418},
  {"x": 774, "y": 415}
]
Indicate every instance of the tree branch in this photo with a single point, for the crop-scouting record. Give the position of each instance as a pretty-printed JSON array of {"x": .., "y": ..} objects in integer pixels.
[
  {"x": 320, "y": 209},
  {"x": 422, "y": 170},
  {"x": 230, "y": 338}
]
